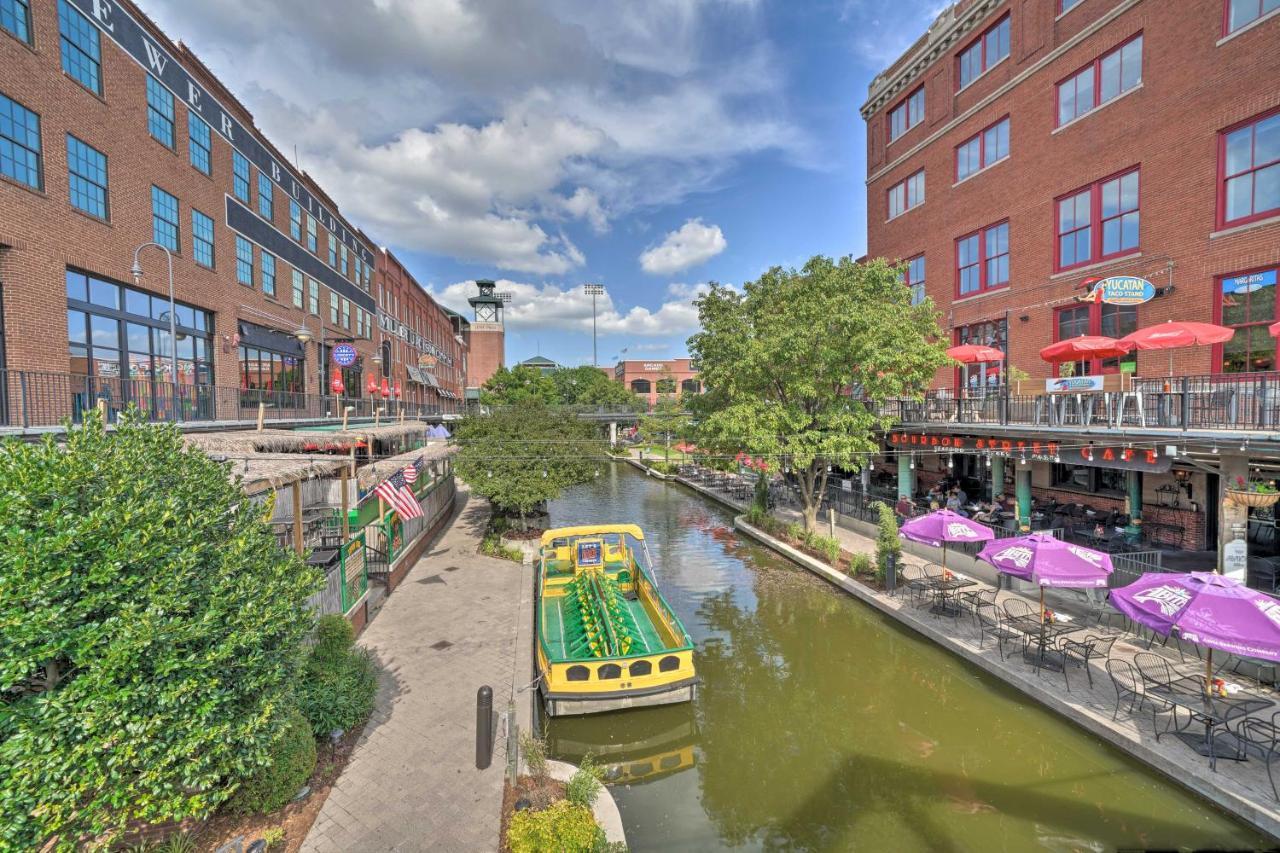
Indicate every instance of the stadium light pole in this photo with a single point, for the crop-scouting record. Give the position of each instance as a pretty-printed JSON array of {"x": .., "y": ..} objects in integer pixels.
[{"x": 594, "y": 290}]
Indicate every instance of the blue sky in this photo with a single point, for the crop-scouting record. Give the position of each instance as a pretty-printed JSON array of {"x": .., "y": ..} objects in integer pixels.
[{"x": 647, "y": 146}]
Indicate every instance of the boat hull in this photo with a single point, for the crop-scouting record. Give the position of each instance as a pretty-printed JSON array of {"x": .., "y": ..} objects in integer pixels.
[{"x": 563, "y": 704}]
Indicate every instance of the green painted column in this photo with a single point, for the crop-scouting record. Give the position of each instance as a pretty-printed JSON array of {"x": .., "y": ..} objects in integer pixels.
[
  {"x": 997, "y": 476},
  {"x": 906, "y": 476},
  {"x": 1134, "y": 482},
  {"x": 1022, "y": 486}
]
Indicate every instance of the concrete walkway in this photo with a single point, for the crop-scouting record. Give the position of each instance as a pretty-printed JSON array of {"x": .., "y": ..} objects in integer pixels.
[{"x": 449, "y": 628}]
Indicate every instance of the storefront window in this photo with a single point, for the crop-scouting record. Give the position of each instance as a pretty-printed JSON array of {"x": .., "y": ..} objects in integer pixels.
[
  {"x": 1112, "y": 321},
  {"x": 1249, "y": 306},
  {"x": 983, "y": 375},
  {"x": 120, "y": 350},
  {"x": 1081, "y": 478}
]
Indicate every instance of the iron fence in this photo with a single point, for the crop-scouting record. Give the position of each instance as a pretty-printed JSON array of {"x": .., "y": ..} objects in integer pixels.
[
  {"x": 31, "y": 398},
  {"x": 1130, "y": 566},
  {"x": 1220, "y": 401}
]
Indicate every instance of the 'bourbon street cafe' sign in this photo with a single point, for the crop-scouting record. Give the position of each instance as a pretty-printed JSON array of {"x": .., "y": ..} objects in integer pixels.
[{"x": 1093, "y": 455}]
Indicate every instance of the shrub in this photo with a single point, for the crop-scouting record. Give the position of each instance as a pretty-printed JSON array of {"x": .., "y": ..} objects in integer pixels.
[
  {"x": 563, "y": 826},
  {"x": 291, "y": 762},
  {"x": 151, "y": 626},
  {"x": 339, "y": 681},
  {"x": 887, "y": 541},
  {"x": 860, "y": 564},
  {"x": 829, "y": 547},
  {"x": 534, "y": 750},
  {"x": 757, "y": 517},
  {"x": 760, "y": 498},
  {"x": 584, "y": 785},
  {"x": 795, "y": 532}
]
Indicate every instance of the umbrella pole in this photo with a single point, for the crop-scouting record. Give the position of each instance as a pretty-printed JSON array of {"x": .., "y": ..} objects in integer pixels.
[
  {"x": 1042, "y": 606},
  {"x": 1208, "y": 672}
]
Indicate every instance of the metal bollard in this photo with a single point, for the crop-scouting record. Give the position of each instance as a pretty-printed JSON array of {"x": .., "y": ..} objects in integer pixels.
[
  {"x": 484, "y": 726},
  {"x": 890, "y": 573}
]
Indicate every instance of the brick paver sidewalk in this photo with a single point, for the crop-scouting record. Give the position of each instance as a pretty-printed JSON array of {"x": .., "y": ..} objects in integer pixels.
[{"x": 411, "y": 783}]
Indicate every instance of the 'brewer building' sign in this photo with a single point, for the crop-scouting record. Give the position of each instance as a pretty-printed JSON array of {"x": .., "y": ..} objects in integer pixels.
[{"x": 133, "y": 38}]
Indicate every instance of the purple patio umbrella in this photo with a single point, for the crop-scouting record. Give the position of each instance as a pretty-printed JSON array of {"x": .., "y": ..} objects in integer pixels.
[
  {"x": 1046, "y": 561},
  {"x": 943, "y": 526},
  {"x": 1212, "y": 610}
]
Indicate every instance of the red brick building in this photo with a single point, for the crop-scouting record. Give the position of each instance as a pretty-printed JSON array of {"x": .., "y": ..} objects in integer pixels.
[
  {"x": 421, "y": 351},
  {"x": 654, "y": 379},
  {"x": 113, "y": 136},
  {"x": 1022, "y": 149}
]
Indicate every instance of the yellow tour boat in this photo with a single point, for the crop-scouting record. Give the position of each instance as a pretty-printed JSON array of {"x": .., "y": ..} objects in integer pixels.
[{"x": 607, "y": 640}]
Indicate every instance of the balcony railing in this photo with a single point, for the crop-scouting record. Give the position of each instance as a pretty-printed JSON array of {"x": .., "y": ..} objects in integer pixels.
[
  {"x": 1231, "y": 401},
  {"x": 31, "y": 398}
]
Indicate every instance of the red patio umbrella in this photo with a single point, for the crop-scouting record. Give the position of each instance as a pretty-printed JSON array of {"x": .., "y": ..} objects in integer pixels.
[
  {"x": 1176, "y": 335},
  {"x": 974, "y": 353},
  {"x": 968, "y": 354},
  {"x": 1083, "y": 347},
  {"x": 1274, "y": 329}
]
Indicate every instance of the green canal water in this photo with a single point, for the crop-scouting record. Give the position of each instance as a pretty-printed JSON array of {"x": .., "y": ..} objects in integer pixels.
[{"x": 822, "y": 725}]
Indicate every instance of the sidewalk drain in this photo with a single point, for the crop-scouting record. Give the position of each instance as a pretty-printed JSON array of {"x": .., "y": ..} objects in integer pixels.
[{"x": 441, "y": 646}]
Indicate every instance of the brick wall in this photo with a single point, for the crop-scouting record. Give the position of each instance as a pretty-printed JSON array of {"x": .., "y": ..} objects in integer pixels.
[
  {"x": 41, "y": 234},
  {"x": 1193, "y": 86},
  {"x": 401, "y": 296},
  {"x": 487, "y": 353}
]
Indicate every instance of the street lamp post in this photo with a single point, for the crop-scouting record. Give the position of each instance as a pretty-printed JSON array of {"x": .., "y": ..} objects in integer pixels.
[
  {"x": 594, "y": 290},
  {"x": 173, "y": 313}
]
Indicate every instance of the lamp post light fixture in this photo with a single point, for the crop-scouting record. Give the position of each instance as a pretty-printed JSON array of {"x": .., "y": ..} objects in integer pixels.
[
  {"x": 594, "y": 290},
  {"x": 173, "y": 314},
  {"x": 304, "y": 337}
]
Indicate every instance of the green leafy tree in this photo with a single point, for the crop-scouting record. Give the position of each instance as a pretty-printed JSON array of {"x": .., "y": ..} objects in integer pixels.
[
  {"x": 520, "y": 458},
  {"x": 591, "y": 386},
  {"x": 781, "y": 359},
  {"x": 152, "y": 632},
  {"x": 667, "y": 422},
  {"x": 518, "y": 386}
]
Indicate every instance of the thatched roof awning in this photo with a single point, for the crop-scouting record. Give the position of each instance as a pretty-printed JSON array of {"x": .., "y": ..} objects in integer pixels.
[
  {"x": 373, "y": 474},
  {"x": 302, "y": 441},
  {"x": 262, "y": 472}
]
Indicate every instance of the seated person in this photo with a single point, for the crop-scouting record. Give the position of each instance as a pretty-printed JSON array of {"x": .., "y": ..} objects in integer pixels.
[
  {"x": 954, "y": 504},
  {"x": 990, "y": 513},
  {"x": 934, "y": 497},
  {"x": 904, "y": 507}
]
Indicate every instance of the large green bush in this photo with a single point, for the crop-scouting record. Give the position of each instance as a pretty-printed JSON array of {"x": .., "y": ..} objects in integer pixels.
[
  {"x": 151, "y": 631},
  {"x": 292, "y": 759},
  {"x": 339, "y": 682}
]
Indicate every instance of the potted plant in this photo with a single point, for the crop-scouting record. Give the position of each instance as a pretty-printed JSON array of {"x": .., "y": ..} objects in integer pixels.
[{"x": 1253, "y": 493}]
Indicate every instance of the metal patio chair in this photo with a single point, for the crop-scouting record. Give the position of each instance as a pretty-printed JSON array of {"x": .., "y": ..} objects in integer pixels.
[
  {"x": 1080, "y": 652},
  {"x": 991, "y": 625},
  {"x": 1261, "y": 738}
]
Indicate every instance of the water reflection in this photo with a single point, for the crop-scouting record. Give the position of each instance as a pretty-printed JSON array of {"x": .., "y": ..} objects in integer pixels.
[{"x": 822, "y": 725}]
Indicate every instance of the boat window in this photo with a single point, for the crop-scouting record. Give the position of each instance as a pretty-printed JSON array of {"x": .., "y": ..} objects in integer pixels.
[
  {"x": 641, "y": 769},
  {"x": 640, "y": 667},
  {"x": 669, "y": 761},
  {"x": 669, "y": 663},
  {"x": 577, "y": 673},
  {"x": 609, "y": 671}
]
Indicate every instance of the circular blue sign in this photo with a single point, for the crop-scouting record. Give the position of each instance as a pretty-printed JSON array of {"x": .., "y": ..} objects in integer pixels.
[{"x": 344, "y": 355}]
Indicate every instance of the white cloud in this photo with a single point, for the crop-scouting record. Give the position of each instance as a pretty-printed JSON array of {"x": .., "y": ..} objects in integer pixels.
[
  {"x": 484, "y": 129},
  {"x": 551, "y": 306},
  {"x": 693, "y": 243}
]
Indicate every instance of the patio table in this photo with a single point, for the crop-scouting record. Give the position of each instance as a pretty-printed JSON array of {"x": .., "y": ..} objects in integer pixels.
[
  {"x": 1188, "y": 692},
  {"x": 944, "y": 595},
  {"x": 1044, "y": 635}
]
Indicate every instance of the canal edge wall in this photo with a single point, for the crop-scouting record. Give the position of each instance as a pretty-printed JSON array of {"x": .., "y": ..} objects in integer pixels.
[
  {"x": 1194, "y": 778},
  {"x": 604, "y": 809}
]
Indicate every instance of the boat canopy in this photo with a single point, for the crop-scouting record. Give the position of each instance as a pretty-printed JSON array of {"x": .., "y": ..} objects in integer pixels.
[{"x": 592, "y": 530}]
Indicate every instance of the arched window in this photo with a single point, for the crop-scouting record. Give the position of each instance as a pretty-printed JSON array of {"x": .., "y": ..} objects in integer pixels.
[
  {"x": 640, "y": 386},
  {"x": 690, "y": 386},
  {"x": 577, "y": 673},
  {"x": 640, "y": 667},
  {"x": 609, "y": 671},
  {"x": 669, "y": 663}
]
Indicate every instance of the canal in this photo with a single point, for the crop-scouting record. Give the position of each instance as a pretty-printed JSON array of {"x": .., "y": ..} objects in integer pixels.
[{"x": 823, "y": 725}]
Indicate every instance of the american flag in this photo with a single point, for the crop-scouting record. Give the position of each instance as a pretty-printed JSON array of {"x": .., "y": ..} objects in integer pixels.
[
  {"x": 410, "y": 473},
  {"x": 395, "y": 491}
]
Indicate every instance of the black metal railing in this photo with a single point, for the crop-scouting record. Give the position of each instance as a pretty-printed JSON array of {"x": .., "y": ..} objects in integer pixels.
[
  {"x": 33, "y": 398},
  {"x": 1221, "y": 401}
]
